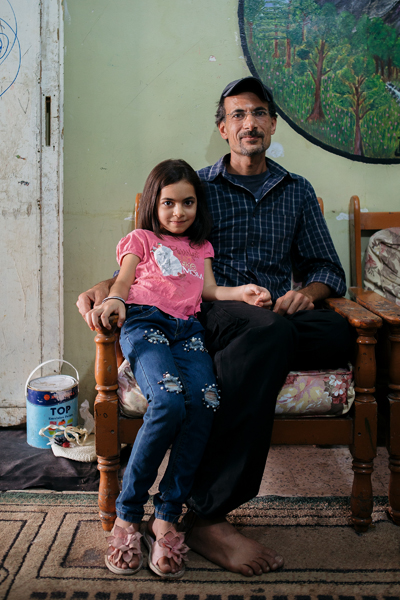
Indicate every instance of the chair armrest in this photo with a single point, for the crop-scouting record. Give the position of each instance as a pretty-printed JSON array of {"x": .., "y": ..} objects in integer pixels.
[
  {"x": 366, "y": 324},
  {"x": 356, "y": 315},
  {"x": 106, "y": 368},
  {"x": 386, "y": 309}
]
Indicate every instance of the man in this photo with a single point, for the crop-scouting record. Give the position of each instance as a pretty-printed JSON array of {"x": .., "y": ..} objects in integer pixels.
[{"x": 265, "y": 221}]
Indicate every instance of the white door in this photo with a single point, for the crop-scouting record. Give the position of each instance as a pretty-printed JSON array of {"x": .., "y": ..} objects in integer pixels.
[{"x": 31, "y": 53}]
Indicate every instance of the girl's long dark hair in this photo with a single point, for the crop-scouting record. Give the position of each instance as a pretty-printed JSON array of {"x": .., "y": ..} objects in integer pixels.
[{"x": 166, "y": 173}]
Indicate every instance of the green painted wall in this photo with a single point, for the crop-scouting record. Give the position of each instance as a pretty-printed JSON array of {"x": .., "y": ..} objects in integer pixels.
[{"x": 139, "y": 88}]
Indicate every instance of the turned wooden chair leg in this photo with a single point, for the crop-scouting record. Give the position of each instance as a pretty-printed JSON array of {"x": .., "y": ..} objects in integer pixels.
[
  {"x": 393, "y": 441},
  {"x": 108, "y": 490},
  {"x": 365, "y": 430},
  {"x": 106, "y": 424}
]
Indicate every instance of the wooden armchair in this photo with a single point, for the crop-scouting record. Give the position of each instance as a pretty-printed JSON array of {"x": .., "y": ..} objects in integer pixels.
[
  {"x": 357, "y": 429},
  {"x": 390, "y": 313}
]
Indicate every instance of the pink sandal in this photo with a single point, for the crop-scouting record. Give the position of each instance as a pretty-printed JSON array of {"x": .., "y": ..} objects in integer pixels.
[
  {"x": 171, "y": 546},
  {"x": 123, "y": 544}
]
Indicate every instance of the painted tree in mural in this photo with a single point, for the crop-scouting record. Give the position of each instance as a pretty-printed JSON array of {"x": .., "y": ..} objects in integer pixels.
[
  {"x": 295, "y": 29},
  {"x": 302, "y": 13},
  {"x": 322, "y": 49},
  {"x": 396, "y": 59},
  {"x": 270, "y": 17},
  {"x": 360, "y": 91},
  {"x": 253, "y": 9},
  {"x": 384, "y": 48},
  {"x": 357, "y": 86},
  {"x": 334, "y": 68}
]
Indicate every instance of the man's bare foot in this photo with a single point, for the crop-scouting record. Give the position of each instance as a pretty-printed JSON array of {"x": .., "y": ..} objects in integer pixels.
[
  {"x": 222, "y": 544},
  {"x": 157, "y": 530},
  {"x": 135, "y": 560}
]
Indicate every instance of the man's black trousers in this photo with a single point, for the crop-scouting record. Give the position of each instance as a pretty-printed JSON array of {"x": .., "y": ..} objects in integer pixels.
[{"x": 253, "y": 350}]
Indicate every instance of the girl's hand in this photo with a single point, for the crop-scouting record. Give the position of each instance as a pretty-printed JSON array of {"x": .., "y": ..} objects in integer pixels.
[
  {"x": 257, "y": 295},
  {"x": 102, "y": 313}
]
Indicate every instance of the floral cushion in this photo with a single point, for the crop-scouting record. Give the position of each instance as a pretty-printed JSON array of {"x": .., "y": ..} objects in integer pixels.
[
  {"x": 382, "y": 264},
  {"x": 329, "y": 392},
  {"x": 304, "y": 392}
]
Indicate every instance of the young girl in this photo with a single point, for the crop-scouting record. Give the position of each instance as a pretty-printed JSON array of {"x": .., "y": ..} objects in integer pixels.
[{"x": 166, "y": 267}]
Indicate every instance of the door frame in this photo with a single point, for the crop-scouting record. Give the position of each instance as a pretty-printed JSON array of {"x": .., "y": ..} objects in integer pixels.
[{"x": 51, "y": 179}]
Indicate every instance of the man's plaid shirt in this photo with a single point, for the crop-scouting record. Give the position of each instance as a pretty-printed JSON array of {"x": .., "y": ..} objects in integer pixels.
[{"x": 258, "y": 242}]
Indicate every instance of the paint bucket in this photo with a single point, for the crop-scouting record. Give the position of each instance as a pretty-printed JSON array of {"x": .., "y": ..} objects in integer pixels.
[{"x": 51, "y": 400}]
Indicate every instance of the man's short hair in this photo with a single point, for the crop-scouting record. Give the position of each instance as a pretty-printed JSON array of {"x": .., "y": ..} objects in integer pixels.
[{"x": 246, "y": 84}]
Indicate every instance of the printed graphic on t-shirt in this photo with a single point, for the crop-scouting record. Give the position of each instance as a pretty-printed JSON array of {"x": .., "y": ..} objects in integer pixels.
[
  {"x": 171, "y": 265},
  {"x": 168, "y": 263}
]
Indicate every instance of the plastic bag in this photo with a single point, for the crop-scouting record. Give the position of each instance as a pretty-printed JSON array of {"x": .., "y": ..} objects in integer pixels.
[
  {"x": 131, "y": 400},
  {"x": 88, "y": 420}
]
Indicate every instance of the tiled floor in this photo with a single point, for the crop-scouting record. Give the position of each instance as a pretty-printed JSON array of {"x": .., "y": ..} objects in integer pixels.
[{"x": 313, "y": 471}]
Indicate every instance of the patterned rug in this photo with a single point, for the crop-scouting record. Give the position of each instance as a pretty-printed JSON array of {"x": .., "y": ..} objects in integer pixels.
[{"x": 52, "y": 547}]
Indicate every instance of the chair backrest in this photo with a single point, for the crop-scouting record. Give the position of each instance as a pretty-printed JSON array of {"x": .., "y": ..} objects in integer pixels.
[
  {"x": 139, "y": 195},
  {"x": 137, "y": 202},
  {"x": 365, "y": 221}
]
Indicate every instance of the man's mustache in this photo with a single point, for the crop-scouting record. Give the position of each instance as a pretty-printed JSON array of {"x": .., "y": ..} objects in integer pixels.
[{"x": 253, "y": 133}]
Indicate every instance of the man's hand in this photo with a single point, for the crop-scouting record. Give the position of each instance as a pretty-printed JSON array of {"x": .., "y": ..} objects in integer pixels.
[
  {"x": 256, "y": 295},
  {"x": 292, "y": 302},
  {"x": 94, "y": 296},
  {"x": 304, "y": 299}
]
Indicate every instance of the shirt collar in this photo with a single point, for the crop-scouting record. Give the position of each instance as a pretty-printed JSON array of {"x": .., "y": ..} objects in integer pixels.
[{"x": 219, "y": 168}]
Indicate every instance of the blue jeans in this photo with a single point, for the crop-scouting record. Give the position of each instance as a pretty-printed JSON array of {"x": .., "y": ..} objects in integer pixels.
[{"x": 175, "y": 374}]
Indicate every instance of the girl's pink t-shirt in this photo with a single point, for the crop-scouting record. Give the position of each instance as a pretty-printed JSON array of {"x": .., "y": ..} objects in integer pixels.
[{"x": 170, "y": 274}]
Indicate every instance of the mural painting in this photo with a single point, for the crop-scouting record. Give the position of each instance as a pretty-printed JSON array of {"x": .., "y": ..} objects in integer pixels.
[
  {"x": 10, "y": 49},
  {"x": 334, "y": 68}
]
